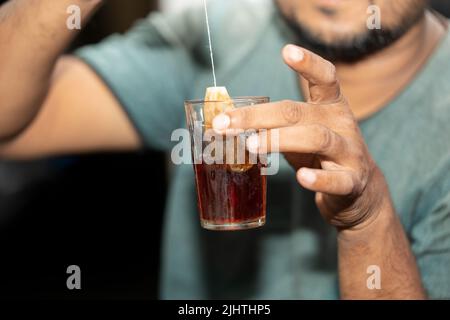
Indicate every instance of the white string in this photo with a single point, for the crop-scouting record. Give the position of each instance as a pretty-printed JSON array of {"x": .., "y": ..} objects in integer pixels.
[{"x": 210, "y": 43}]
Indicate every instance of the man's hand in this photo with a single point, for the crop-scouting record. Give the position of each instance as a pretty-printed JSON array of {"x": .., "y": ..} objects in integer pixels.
[{"x": 321, "y": 140}]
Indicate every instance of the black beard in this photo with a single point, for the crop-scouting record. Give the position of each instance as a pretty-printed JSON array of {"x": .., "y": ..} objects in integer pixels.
[{"x": 355, "y": 49}]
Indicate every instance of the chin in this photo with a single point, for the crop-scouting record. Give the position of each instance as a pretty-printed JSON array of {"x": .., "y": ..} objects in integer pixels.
[{"x": 331, "y": 32}]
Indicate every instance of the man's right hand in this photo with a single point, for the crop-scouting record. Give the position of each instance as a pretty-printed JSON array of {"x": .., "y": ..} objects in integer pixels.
[{"x": 51, "y": 105}]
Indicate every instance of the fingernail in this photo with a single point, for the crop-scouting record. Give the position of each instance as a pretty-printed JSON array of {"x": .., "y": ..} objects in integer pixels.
[
  {"x": 294, "y": 53},
  {"x": 221, "y": 122},
  {"x": 308, "y": 176},
  {"x": 253, "y": 143}
]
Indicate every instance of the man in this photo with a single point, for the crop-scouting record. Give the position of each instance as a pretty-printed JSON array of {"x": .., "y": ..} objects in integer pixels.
[{"x": 377, "y": 116}]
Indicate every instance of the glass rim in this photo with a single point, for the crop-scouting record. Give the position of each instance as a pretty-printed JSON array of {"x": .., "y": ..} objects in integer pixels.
[{"x": 261, "y": 99}]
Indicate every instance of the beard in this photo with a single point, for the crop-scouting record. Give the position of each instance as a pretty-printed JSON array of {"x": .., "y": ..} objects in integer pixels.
[{"x": 356, "y": 47}]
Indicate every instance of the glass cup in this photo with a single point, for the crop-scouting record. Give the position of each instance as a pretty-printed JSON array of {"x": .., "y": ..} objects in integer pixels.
[{"x": 231, "y": 189}]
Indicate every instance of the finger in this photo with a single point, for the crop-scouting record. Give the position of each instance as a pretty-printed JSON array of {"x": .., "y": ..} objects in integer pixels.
[
  {"x": 332, "y": 182},
  {"x": 320, "y": 73},
  {"x": 308, "y": 139},
  {"x": 270, "y": 115}
]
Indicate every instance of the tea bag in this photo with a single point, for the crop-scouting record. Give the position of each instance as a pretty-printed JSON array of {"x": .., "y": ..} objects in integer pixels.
[{"x": 217, "y": 101}]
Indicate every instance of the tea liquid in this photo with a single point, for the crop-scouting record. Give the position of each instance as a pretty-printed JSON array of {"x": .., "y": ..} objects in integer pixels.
[{"x": 230, "y": 198}]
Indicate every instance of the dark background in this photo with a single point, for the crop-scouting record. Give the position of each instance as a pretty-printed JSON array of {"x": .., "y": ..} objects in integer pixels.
[{"x": 102, "y": 212}]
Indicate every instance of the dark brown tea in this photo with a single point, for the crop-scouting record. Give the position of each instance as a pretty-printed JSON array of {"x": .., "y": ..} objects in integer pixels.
[{"x": 230, "y": 199}]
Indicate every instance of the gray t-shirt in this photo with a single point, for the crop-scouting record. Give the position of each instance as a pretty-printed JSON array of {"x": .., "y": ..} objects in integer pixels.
[{"x": 163, "y": 60}]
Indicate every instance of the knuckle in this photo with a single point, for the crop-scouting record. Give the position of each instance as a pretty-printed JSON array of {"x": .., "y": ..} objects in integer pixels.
[
  {"x": 359, "y": 157},
  {"x": 361, "y": 173},
  {"x": 325, "y": 139},
  {"x": 357, "y": 189},
  {"x": 291, "y": 111},
  {"x": 245, "y": 118},
  {"x": 332, "y": 74},
  {"x": 364, "y": 174},
  {"x": 348, "y": 123}
]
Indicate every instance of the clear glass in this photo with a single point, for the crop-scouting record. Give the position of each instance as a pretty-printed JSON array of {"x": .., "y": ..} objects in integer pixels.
[{"x": 231, "y": 195}]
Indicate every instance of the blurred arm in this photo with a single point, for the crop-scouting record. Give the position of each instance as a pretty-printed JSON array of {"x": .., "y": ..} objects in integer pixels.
[
  {"x": 33, "y": 33},
  {"x": 51, "y": 105},
  {"x": 80, "y": 114}
]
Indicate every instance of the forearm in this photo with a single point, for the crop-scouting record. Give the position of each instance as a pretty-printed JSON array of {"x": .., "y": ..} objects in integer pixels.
[
  {"x": 33, "y": 33},
  {"x": 381, "y": 242}
]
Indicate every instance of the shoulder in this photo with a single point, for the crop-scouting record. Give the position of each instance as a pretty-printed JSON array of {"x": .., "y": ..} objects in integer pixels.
[
  {"x": 438, "y": 80},
  {"x": 427, "y": 102}
]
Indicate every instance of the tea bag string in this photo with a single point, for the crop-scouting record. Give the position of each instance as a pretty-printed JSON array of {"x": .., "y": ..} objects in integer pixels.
[{"x": 210, "y": 43}]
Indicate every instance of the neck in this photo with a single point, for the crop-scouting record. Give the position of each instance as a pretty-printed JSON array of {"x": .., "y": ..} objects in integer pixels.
[{"x": 373, "y": 82}]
